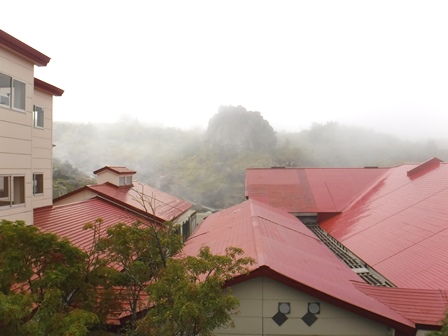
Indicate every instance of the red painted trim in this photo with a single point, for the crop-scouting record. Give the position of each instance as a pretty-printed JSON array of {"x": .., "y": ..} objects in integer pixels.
[
  {"x": 23, "y": 49},
  {"x": 115, "y": 171},
  {"x": 268, "y": 272},
  {"x": 44, "y": 86},
  {"x": 428, "y": 326}
]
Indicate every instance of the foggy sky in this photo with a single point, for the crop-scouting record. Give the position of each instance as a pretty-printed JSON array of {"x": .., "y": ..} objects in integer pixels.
[{"x": 379, "y": 64}]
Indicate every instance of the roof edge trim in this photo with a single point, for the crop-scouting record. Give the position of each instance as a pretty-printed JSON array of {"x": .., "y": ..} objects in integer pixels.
[
  {"x": 44, "y": 86},
  {"x": 115, "y": 170},
  {"x": 23, "y": 49}
]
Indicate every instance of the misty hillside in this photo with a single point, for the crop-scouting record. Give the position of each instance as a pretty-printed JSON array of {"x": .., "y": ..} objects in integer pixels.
[{"x": 208, "y": 167}]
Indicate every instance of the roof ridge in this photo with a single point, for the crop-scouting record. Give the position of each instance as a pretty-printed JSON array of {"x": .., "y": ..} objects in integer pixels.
[
  {"x": 368, "y": 189},
  {"x": 257, "y": 235}
]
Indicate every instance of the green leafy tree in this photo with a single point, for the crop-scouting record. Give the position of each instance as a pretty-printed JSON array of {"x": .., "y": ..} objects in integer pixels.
[
  {"x": 40, "y": 275},
  {"x": 67, "y": 178},
  {"x": 188, "y": 299},
  {"x": 139, "y": 251}
]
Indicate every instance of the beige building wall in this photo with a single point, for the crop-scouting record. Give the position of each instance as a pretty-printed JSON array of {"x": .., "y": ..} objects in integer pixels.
[
  {"x": 24, "y": 149},
  {"x": 16, "y": 135},
  {"x": 111, "y": 177},
  {"x": 259, "y": 299},
  {"x": 42, "y": 149},
  {"x": 76, "y": 197}
]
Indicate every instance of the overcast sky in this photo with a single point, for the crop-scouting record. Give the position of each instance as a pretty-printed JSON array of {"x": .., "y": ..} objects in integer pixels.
[{"x": 380, "y": 64}]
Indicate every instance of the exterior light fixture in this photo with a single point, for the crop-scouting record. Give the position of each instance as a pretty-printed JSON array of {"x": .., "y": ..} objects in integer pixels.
[
  {"x": 284, "y": 307},
  {"x": 314, "y": 307}
]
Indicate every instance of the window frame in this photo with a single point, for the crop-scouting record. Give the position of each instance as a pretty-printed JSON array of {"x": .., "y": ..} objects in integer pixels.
[
  {"x": 8, "y": 94},
  {"x": 15, "y": 91},
  {"x": 19, "y": 90},
  {"x": 124, "y": 181},
  {"x": 36, "y": 111},
  {"x": 9, "y": 197},
  {"x": 38, "y": 183}
]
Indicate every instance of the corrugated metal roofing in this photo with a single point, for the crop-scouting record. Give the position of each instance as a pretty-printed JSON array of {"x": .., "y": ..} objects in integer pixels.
[
  {"x": 309, "y": 189},
  {"x": 400, "y": 226},
  {"x": 422, "y": 306},
  {"x": 280, "y": 242},
  {"x": 68, "y": 220},
  {"x": 145, "y": 198}
]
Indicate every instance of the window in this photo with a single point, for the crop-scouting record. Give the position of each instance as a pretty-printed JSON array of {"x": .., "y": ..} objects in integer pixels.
[
  {"x": 12, "y": 91},
  {"x": 38, "y": 184},
  {"x": 5, "y": 90},
  {"x": 18, "y": 94},
  {"x": 125, "y": 180},
  {"x": 12, "y": 190},
  {"x": 38, "y": 116}
]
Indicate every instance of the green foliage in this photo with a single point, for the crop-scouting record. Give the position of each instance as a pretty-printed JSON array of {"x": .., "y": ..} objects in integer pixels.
[
  {"x": 188, "y": 298},
  {"x": 139, "y": 251},
  {"x": 39, "y": 276},
  {"x": 209, "y": 168},
  {"x": 66, "y": 178}
]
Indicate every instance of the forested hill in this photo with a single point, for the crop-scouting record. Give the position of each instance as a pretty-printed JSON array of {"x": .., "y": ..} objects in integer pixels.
[{"x": 207, "y": 167}]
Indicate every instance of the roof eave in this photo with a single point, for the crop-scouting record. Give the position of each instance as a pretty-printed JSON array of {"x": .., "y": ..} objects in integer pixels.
[
  {"x": 44, "y": 86},
  {"x": 23, "y": 49}
]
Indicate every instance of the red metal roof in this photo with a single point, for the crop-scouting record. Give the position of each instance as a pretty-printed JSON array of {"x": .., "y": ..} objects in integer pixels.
[
  {"x": 158, "y": 203},
  {"x": 309, "y": 189},
  {"x": 400, "y": 226},
  {"x": 68, "y": 220},
  {"x": 120, "y": 170},
  {"x": 421, "y": 306},
  {"x": 289, "y": 252}
]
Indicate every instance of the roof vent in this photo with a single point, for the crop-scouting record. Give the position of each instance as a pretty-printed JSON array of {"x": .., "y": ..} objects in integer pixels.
[{"x": 424, "y": 168}]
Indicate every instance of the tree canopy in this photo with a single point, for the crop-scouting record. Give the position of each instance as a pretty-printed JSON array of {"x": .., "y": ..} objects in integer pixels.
[
  {"x": 188, "y": 298},
  {"x": 50, "y": 287},
  {"x": 39, "y": 277}
]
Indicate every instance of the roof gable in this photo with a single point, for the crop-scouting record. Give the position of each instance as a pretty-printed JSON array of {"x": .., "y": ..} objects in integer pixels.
[{"x": 281, "y": 244}]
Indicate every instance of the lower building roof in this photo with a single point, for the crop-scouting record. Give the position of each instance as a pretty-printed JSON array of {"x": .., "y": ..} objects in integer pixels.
[
  {"x": 285, "y": 249},
  {"x": 425, "y": 307},
  {"x": 68, "y": 220}
]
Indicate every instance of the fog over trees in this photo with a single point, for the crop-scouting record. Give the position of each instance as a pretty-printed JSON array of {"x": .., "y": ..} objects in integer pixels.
[{"x": 208, "y": 167}]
